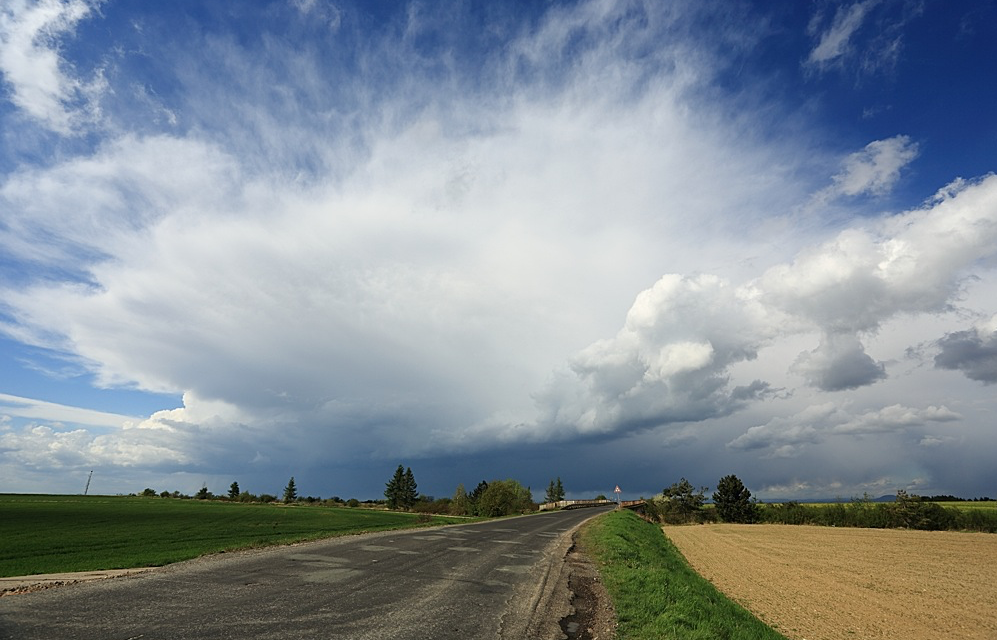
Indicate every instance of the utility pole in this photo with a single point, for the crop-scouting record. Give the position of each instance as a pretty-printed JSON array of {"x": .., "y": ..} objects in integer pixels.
[{"x": 88, "y": 482}]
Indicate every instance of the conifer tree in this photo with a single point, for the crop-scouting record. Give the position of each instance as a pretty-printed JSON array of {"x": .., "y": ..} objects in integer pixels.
[
  {"x": 555, "y": 491},
  {"x": 290, "y": 491},
  {"x": 394, "y": 488},
  {"x": 410, "y": 493},
  {"x": 733, "y": 501},
  {"x": 233, "y": 491}
]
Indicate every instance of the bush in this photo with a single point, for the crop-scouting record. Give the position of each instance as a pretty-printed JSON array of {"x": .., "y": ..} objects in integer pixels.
[
  {"x": 504, "y": 498},
  {"x": 440, "y": 506},
  {"x": 791, "y": 512},
  {"x": 682, "y": 504},
  {"x": 910, "y": 512}
]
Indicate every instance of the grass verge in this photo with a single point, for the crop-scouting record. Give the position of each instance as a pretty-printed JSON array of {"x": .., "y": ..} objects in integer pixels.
[
  {"x": 655, "y": 592},
  {"x": 55, "y": 534}
]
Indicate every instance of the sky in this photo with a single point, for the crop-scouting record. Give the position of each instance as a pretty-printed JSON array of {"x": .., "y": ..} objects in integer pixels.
[{"x": 618, "y": 243}]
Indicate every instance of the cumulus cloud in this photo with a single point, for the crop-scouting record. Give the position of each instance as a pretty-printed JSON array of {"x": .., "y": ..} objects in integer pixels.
[
  {"x": 840, "y": 362},
  {"x": 973, "y": 352},
  {"x": 672, "y": 361},
  {"x": 668, "y": 364},
  {"x": 32, "y": 66},
  {"x": 56, "y": 448}
]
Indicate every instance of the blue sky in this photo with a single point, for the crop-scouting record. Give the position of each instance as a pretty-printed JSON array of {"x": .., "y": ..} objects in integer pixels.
[{"x": 616, "y": 242}]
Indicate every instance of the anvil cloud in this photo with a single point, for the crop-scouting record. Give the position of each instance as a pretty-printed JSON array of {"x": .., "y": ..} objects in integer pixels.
[{"x": 612, "y": 242}]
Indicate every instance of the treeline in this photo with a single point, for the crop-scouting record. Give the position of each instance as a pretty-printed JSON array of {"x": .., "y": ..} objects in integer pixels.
[
  {"x": 682, "y": 503},
  {"x": 488, "y": 499},
  {"x": 235, "y": 494},
  {"x": 905, "y": 512}
]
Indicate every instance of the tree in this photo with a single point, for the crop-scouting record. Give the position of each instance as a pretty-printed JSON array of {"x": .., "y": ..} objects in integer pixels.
[
  {"x": 475, "y": 496},
  {"x": 733, "y": 501},
  {"x": 394, "y": 489},
  {"x": 410, "y": 493},
  {"x": 555, "y": 491},
  {"x": 203, "y": 493},
  {"x": 504, "y": 498},
  {"x": 459, "y": 503},
  {"x": 682, "y": 502},
  {"x": 233, "y": 491},
  {"x": 148, "y": 493},
  {"x": 290, "y": 491}
]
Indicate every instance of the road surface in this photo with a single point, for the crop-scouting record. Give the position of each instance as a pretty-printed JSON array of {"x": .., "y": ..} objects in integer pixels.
[{"x": 496, "y": 579}]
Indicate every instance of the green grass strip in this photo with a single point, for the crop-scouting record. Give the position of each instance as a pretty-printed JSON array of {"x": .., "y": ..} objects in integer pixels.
[
  {"x": 654, "y": 590},
  {"x": 55, "y": 534}
]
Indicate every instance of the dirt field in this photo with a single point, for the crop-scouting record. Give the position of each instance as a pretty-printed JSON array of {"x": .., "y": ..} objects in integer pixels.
[{"x": 824, "y": 583}]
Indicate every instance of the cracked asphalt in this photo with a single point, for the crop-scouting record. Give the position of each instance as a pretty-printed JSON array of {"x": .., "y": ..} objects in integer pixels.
[{"x": 496, "y": 579}]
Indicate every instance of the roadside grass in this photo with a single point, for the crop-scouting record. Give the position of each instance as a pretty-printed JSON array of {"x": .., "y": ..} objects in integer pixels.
[
  {"x": 655, "y": 592},
  {"x": 55, "y": 534}
]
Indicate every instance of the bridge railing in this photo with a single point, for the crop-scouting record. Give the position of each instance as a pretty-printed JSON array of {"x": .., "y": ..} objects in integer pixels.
[{"x": 574, "y": 504}]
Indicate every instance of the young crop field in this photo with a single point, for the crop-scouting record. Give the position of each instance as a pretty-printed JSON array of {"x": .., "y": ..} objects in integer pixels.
[
  {"x": 826, "y": 583},
  {"x": 54, "y": 534}
]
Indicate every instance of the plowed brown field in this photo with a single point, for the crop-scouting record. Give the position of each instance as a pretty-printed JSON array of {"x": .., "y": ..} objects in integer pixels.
[{"x": 823, "y": 583}]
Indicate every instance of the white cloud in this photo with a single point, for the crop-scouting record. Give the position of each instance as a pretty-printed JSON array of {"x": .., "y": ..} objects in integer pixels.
[
  {"x": 52, "y": 447},
  {"x": 873, "y": 171},
  {"x": 836, "y": 40},
  {"x": 393, "y": 263},
  {"x": 866, "y": 37},
  {"x": 31, "y": 63},
  {"x": 671, "y": 362},
  {"x": 51, "y": 411},
  {"x": 789, "y": 437},
  {"x": 438, "y": 283},
  {"x": 895, "y": 418}
]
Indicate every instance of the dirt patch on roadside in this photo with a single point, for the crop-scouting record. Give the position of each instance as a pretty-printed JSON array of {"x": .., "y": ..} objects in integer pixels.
[
  {"x": 28, "y": 584},
  {"x": 825, "y": 583},
  {"x": 592, "y": 617}
]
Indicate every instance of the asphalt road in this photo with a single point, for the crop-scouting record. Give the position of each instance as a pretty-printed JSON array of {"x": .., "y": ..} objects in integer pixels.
[{"x": 497, "y": 579}]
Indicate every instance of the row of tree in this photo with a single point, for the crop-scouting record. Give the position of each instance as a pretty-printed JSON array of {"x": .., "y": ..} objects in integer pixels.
[
  {"x": 488, "y": 499},
  {"x": 683, "y": 503},
  {"x": 234, "y": 494}
]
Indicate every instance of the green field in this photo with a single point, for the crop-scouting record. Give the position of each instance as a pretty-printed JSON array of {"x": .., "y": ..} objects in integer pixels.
[
  {"x": 964, "y": 505},
  {"x": 54, "y": 534},
  {"x": 655, "y": 592}
]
